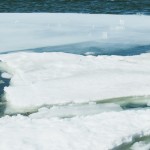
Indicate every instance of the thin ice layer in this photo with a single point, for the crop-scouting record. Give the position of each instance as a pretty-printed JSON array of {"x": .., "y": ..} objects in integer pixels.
[{"x": 54, "y": 78}]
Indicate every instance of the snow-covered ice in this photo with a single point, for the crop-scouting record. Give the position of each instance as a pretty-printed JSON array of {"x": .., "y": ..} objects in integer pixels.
[
  {"x": 60, "y": 84},
  {"x": 97, "y": 132},
  {"x": 55, "y": 78}
]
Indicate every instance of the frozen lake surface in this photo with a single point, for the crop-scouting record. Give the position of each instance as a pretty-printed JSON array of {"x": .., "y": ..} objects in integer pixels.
[{"x": 70, "y": 77}]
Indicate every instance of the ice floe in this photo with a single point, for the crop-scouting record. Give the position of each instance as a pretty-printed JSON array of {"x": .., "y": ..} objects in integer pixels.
[
  {"x": 97, "y": 132},
  {"x": 56, "y": 78}
]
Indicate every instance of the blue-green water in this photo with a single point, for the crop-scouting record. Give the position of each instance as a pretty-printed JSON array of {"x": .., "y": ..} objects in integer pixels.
[{"x": 77, "y": 6}]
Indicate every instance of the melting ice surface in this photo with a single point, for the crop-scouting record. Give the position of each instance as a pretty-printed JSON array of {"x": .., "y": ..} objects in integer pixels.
[{"x": 68, "y": 97}]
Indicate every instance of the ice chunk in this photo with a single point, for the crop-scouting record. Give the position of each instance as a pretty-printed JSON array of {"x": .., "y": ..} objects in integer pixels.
[
  {"x": 6, "y": 75},
  {"x": 64, "y": 111}
]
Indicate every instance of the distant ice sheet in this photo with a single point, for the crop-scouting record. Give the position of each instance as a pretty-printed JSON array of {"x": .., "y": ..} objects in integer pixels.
[
  {"x": 26, "y": 31},
  {"x": 56, "y": 78}
]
